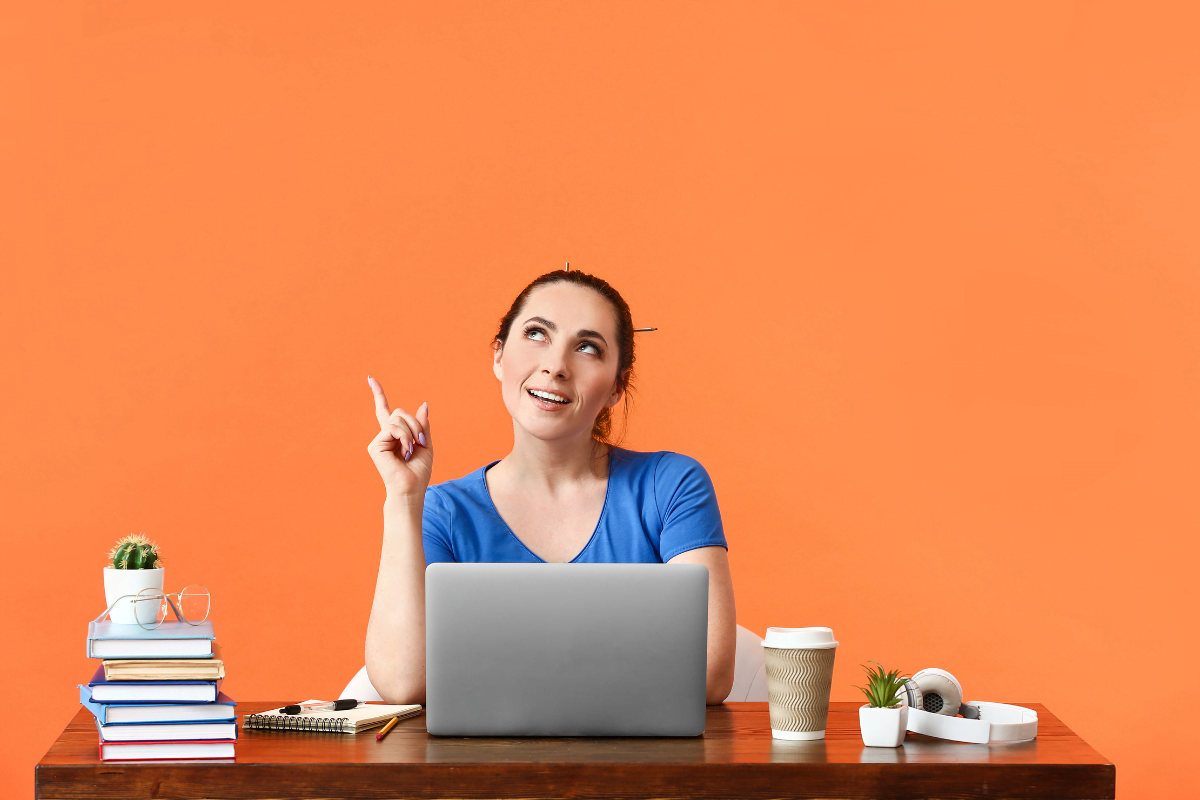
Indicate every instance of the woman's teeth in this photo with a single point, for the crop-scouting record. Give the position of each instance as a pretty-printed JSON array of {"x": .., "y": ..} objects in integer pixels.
[{"x": 548, "y": 396}]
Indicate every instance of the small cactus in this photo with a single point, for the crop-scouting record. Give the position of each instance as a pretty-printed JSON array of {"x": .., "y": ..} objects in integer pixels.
[{"x": 135, "y": 551}]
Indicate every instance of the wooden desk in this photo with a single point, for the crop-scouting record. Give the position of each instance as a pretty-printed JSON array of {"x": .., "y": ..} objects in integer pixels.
[{"x": 736, "y": 757}]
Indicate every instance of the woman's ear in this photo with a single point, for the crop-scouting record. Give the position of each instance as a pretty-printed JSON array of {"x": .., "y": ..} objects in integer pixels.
[
  {"x": 497, "y": 366},
  {"x": 618, "y": 390}
]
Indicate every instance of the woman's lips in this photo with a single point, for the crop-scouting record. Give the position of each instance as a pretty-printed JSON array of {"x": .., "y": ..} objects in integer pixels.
[{"x": 546, "y": 405}]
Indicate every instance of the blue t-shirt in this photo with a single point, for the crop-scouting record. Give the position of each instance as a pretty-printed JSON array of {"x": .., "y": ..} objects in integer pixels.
[{"x": 657, "y": 506}]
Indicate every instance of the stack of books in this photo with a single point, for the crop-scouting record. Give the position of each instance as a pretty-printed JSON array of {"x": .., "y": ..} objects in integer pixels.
[{"x": 157, "y": 694}]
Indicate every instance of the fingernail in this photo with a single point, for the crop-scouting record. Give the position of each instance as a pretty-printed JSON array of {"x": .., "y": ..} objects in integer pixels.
[
  {"x": 406, "y": 455},
  {"x": 421, "y": 439},
  {"x": 368, "y": 380}
]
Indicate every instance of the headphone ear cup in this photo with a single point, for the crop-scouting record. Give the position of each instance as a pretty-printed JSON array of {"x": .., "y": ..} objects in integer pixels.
[{"x": 940, "y": 692}]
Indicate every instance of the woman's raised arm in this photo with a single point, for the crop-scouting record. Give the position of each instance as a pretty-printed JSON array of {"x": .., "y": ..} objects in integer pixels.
[{"x": 403, "y": 454}]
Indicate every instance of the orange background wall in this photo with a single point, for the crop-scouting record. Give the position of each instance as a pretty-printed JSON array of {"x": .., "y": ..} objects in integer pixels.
[{"x": 925, "y": 274}]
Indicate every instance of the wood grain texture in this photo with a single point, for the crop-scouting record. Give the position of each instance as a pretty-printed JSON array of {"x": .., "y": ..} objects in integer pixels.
[{"x": 736, "y": 757}]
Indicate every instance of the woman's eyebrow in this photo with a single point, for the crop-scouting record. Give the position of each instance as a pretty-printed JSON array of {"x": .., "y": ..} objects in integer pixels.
[
  {"x": 543, "y": 321},
  {"x": 585, "y": 333}
]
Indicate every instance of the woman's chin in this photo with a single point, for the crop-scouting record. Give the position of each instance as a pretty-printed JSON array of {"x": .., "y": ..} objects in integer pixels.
[{"x": 549, "y": 430}]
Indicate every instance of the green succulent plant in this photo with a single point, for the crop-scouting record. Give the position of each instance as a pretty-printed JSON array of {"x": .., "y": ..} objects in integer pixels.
[
  {"x": 883, "y": 688},
  {"x": 135, "y": 551}
]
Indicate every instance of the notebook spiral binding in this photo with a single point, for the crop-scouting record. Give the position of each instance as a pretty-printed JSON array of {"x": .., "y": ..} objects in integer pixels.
[{"x": 296, "y": 723}]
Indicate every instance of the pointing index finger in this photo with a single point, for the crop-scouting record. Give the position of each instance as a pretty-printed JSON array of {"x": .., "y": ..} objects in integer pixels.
[{"x": 382, "y": 410}]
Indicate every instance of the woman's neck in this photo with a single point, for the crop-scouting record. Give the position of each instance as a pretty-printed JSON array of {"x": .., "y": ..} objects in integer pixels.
[{"x": 549, "y": 465}]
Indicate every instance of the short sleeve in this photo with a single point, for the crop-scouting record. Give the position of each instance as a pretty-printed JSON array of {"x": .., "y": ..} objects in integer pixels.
[
  {"x": 687, "y": 505},
  {"x": 437, "y": 521}
]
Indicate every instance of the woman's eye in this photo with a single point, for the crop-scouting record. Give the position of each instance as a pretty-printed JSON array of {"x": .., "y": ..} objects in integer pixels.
[
  {"x": 535, "y": 333},
  {"x": 589, "y": 348}
]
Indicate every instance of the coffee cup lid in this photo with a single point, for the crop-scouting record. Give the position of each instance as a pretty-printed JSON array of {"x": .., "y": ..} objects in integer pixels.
[{"x": 797, "y": 638}]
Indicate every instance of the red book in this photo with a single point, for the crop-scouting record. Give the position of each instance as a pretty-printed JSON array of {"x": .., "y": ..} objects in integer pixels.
[{"x": 154, "y": 751}]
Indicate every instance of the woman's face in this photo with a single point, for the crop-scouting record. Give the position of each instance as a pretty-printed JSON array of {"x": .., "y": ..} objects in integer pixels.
[{"x": 558, "y": 369}]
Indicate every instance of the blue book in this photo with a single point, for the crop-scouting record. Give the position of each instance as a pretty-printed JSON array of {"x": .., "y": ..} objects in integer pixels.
[
  {"x": 180, "y": 692},
  {"x": 168, "y": 732},
  {"x": 223, "y": 710},
  {"x": 170, "y": 640}
]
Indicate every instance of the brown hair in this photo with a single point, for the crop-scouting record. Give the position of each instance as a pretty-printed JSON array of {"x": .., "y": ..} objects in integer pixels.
[{"x": 602, "y": 427}]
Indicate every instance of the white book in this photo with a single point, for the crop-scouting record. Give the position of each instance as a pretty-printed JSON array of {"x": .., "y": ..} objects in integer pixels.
[
  {"x": 169, "y": 640},
  {"x": 177, "y": 692},
  {"x": 192, "y": 712},
  {"x": 133, "y": 648},
  {"x": 167, "y": 731}
]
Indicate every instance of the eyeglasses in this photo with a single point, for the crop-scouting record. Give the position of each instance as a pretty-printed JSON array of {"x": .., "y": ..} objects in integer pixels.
[{"x": 191, "y": 605}]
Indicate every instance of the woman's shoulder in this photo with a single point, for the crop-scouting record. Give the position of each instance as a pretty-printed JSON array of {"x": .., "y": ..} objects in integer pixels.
[
  {"x": 654, "y": 458},
  {"x": 470, "y": 489},
  {"x": 660, "y": 466},
  {"x": 674, "y": 484}
]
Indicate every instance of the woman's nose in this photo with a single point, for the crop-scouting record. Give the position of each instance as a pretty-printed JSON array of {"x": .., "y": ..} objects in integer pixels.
[{"x": 555, "y": 364}]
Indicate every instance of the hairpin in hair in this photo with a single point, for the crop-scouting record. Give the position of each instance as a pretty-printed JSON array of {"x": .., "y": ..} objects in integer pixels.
[{"x": 568, "y": 267}]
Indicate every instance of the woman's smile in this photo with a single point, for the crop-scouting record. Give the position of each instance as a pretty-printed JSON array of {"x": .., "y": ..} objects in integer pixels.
[{"x": 548, "y": 400}]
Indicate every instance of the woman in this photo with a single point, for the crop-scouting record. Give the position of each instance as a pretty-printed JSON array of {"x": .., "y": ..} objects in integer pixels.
[{"x": 564, "y": 358}]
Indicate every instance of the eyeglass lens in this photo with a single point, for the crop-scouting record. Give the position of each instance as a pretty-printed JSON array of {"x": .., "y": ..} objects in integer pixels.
[
  {"x": 149, "y": 608},
  {"x": 194, "y": 603}
]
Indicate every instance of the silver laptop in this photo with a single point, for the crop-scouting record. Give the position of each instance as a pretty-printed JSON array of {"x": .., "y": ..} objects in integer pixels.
[{"x": 565, "y": 649}]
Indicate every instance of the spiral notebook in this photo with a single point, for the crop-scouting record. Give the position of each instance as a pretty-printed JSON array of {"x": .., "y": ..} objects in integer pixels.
[{"x": 355, "y": 720}]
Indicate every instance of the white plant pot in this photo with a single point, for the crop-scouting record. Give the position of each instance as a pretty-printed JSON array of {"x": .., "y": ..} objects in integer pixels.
[
  {"x": 118, "y": 582},
  {"x": 883, "y": 727}
]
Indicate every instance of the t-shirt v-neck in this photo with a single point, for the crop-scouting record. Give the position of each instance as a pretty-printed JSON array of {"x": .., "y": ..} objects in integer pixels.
[{"x": 612, "y": 462}]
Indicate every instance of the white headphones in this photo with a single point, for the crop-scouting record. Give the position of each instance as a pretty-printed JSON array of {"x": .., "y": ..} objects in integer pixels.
[{"x": 935, "y": 703}]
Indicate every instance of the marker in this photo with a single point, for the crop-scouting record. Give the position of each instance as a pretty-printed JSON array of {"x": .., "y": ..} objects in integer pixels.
[
  {"x": 379, "y": 736},
  {"x": 336, "y": 705}
]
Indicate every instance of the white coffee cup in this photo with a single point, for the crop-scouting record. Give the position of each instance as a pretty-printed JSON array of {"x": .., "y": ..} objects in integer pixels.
[{"x": 799, "y": 677}]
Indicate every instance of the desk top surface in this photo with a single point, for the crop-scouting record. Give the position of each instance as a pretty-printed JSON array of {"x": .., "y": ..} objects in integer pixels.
[{"x": 736, "y": 756}]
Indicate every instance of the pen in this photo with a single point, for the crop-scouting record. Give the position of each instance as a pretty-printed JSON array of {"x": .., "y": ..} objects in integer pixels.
[
  {"x": 391, "y": 724},
  {"x": 336, "y": 705}
]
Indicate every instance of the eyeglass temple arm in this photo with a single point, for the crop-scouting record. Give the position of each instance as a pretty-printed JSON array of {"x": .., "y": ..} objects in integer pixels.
[{"x": 174, "y": 609}]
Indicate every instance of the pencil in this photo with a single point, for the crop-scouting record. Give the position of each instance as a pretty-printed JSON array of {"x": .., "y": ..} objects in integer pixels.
[{"x": 391, "y": 724}]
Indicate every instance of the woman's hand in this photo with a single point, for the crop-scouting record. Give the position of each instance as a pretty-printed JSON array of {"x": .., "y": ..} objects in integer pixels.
[{"x": 403, "y": 450}]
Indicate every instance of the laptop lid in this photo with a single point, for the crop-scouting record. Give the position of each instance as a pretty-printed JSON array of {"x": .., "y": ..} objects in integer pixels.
[{"x": 566, "y": 649}]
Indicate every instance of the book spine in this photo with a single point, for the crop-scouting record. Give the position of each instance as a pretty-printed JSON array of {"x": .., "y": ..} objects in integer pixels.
[{"x": 298, "y": 722}]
